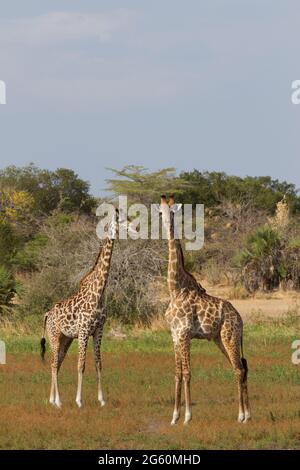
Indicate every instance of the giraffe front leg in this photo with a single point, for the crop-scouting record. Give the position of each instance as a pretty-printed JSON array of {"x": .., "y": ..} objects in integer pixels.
[
  {"x": 178, "y": 384},
  {"x": 82, "y": 342},
  {"x": 97, "y": 351},
  {"x": 186, "y": 372}
]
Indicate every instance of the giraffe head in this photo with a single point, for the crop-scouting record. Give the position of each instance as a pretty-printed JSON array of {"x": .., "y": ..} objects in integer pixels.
[
  {"x": 119, "y": 219},
  {"x": 113, "y": 226},
  {"x": 167, "y": 209}
]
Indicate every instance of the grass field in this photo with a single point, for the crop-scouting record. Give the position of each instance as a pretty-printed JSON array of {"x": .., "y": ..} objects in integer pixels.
[{"x": 138, "y": 383}]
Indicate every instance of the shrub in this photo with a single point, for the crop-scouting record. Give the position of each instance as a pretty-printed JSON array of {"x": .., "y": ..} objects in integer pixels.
[
  {"x": 27, "y": 258},
  {"x": 260, "y": 260},
  {"x": 290, "y": 267},
  {"x": 71, "y": 249},
  {"x": 7, "y": 289},
  {"x": 238, "y": 292},
  {"x": 8, "y": 244}
]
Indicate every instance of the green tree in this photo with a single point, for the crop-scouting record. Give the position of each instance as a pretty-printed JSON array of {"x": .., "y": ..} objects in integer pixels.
[
  {"x": 59, "y": 189},
  {"x": 262, "y": 192},
  {"x": 9, "y": 243},
  {"x": 143, "y": 186}
]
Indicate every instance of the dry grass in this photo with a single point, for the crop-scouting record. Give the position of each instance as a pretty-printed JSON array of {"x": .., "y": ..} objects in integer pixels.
[
  {"x": 138, "y": 381},
  {"x": 238, "y": 292}
]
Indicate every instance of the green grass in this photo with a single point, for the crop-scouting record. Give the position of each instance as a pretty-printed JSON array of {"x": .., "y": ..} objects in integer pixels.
[{"x": 138, "y": 379}]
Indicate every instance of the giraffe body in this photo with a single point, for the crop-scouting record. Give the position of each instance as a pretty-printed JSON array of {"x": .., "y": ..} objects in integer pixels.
[
  {"x": 193, "y": 313},
  {"x": 81, "y": 316}
]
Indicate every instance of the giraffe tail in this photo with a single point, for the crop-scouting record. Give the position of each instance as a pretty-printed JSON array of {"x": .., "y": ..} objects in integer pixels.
[
  {"x": 244, "y": 362},
  {"x": 43, "y": 348},
  {"x": 43, "y": 340}
]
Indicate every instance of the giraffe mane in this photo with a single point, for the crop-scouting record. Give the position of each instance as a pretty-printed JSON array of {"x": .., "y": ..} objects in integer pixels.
[
  {"x": 81, "y": 282},
  {"x": 192, "y": 278}
]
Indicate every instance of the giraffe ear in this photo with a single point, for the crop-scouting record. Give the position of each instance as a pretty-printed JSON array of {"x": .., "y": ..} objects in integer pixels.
[{"x": 176, "y": 207}]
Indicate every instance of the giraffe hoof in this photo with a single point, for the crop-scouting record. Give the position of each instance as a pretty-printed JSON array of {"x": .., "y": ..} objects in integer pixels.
[
  {"x": 247, "y": 418},
  {"x": 102, "y": 402},
  {"x": 187, "y": 420},
  {"x": 174, "y": 419},
  {"x": 79, "y": 404},
  {"x": 58, "y": 404},
  {"x": 241, "y": 418}
]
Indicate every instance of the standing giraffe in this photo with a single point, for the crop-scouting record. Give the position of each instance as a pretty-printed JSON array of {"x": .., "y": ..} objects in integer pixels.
[
  {"x": 81, "y": 316},
  {"x": 192, "y": 313}
]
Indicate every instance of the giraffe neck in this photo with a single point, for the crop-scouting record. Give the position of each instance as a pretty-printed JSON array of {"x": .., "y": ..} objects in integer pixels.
[
  {"x": 176, "y": 271},
  {"x": 178, "y": 277},
  {"x": 176, "y": 266},
  {"x": 96, "y": 282},
  {"x": 103, "y": 265}
]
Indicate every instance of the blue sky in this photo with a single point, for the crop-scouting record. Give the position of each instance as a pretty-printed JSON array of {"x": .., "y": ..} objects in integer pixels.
[{"x": 96, "y": 84}]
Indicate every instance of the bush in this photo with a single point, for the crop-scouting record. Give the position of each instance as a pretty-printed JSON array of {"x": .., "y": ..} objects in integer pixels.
[
  {"x": 52, "y": 254},
  {"x": 7, "y": 289},
  {"x": 132, "y": 294},
  {"x": 261, "y": 260},
  {"x": 8, "y": 244},
  {"x": 290, "y": 266},
  {"x": 27, "y": 258},
  {"x": 238, "y": 292},
  {"x": 71, "y": 249}
]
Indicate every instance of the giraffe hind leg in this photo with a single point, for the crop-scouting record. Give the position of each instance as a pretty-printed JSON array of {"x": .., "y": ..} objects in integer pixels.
[
  {"x": 55, "y": 347},
  {"x": 231, "y": 346},
  {"x": 53, "y": 336},
  {"x": 245, "y": 391},
  {"x": 59, "y": 345},
  {"x": 82, "y": 342},
  {"x": 65, "y": 343},
  {"x": 98, "y": 363}
]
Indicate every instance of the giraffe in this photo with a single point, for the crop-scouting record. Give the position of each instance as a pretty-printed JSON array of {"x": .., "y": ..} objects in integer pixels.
[
  {"x": 192, "y": 313},
  {"x": 81, "y": 316}
]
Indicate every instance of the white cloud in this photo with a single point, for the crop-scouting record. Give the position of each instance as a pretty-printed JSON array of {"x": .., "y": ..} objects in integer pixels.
[
  {"x": 47, "y": 64},
  {"x": 62, "y": 26}
]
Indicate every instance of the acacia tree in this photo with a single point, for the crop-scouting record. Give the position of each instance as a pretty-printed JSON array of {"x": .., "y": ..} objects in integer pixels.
[{"x": 138, "y": 184}]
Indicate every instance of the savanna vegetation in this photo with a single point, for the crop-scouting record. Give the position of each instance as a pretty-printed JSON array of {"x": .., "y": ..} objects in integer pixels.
[
  {"x": 48, "y": 242},
  {"x": 138, "y": 380},
  {"x": 48, "y": 239}
]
